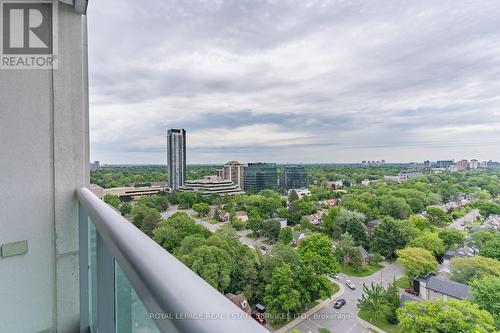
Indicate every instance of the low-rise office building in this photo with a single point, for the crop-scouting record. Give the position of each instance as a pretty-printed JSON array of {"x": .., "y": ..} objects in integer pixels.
[{"x": 211, "y": 185}]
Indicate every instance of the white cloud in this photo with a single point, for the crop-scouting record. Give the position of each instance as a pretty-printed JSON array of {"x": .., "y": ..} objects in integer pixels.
[{"x": 316, "y": 81}]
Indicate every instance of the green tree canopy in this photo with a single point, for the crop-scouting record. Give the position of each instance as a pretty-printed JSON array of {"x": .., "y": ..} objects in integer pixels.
[
  {"x": 466, "y": 269},
  {"x": 172, "y": 231},
  {"x": 285, "y": 236},
  {"x": 429, "y": 241},
  {"x": 201, "y": 208},
  {"x": 486, "y": 292},
  {"x": 491, "y": 248},
  {"x": 112, "y": 200},
  {"x": 317, "y": 250},
  {"x": 451, "y": 237},
  {"x": 271, "y": 229},
  {"x": 444, "y": 316},
  {"x": 416, "y": 261},
  {"x": 281, "y": 295},
  {"x": 389, "y": 236},
  {"x": 212, "y": 264},
  {"x": 437, "y": 216}
]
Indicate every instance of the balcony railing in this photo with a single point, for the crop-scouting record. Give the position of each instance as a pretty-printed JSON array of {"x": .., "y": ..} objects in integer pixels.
[{"x": 128, "y": 283}]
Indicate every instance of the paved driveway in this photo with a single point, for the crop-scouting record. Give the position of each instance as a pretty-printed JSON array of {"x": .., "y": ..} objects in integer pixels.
[
  {"x": 461, "y": 222},
  {"x": 345, "y": 320}
]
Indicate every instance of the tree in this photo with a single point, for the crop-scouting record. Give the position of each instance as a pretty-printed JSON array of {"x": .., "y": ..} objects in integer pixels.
[
  {"x": 280, "y": 294},
  {"x": 451, "y": 237},
  {"x": 372, "y": 300},
  {"x": 358, "y": 231},
  {"x": 481, "y": 237},
  {"x": 145, "y": 218},
  {"x": 286, "y": 235},
  {"x": 201, "y": 208},
  {"x": 429, "y": 241},
  {"x": 271, "y": 229},
  {"x": 293, "y": 196},
  {"x": 437, "y": 216},
  {"x": 112, "y": 200},
  {"x": 416, "y": 261},
  {"x": 389, "y": 236},
  {"x": 345, "y": 248},
  {"x": 255, "y": 224},
  {"x": 486, "y": 293},
  {"x": 395, "y": 207},
  {"x": 444, "y": 316},
  {"x": 317, "y": 250},
  {"x": 357, "y": 260},
  {"x": 491, "y": 248},
  {"x": 293, "y": 215},
  {"x": 214, "y": 265},
  {"x": 328, "y": 221},
  {"x": 466, "y": 269},
  {"x": 125, "y": 209},
  {"x": 170, "y": 233},
  {"x": 393, "y": 301},
  {"x": 419, "y": 222}
]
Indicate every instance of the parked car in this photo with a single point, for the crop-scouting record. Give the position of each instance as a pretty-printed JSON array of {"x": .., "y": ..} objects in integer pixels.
[
  {"x": 339, "y": 303},
  {"x": 258, "y": 314},
  {"x": 411, "y": 291},
  {"x": 350, "y": 284},
  {"x": 264, "y": 247},
  {"x": 333, "y": 276}
]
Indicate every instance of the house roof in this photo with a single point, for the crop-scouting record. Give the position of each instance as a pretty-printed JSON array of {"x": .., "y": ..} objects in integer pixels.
[
  {"x": 447, "y": 287},
  {"x": 364, "y": 253},
  {"x": 297, "y": 235},
  {"x": 239, "y": 300},
  {"x": 373, "y": 223}
]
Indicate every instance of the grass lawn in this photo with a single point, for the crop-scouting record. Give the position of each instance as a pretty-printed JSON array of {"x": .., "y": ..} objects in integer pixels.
[
  {"x": 380, "y": 322},
  {"x": 252, "y": 236},
  {"x": 403, "y": 283},
  {"x": 366, "y": 271}
]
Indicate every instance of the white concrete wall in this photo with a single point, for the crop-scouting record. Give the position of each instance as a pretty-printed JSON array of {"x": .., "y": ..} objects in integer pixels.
[{"x": 43, "y": 159}]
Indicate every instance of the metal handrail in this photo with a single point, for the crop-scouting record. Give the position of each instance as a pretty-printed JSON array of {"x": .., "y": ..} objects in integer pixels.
[{"x": 163, "y": 283}]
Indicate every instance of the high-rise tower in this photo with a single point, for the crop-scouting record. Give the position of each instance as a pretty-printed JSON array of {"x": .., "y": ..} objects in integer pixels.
[{"x": 176, "y": 157}]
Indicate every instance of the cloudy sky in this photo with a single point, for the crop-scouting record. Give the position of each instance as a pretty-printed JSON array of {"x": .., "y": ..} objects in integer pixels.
[{"x": 295, "y": 81}]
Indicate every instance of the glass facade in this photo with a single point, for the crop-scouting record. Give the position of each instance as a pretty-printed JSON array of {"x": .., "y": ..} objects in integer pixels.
[{"x": 260, "y": 176}]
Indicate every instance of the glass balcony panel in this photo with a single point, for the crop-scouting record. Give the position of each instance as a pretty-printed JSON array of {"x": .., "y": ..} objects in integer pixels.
[{"x": 131, "y": 315}]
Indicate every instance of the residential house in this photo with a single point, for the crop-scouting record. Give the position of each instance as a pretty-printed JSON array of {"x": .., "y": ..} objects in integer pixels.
[
  {"x": 329, "y": 202},
  {"x": 364, "y": 254},
  {"x": 314, "y": 219},
  {"x": 240, "y": 301},
  {"x": 431, "y": 287},
  {"x": 461, "y": 251},
  {"x": 223, "y": 216},
  {"x": 283, "y": 222},
  {"x": 242, "y": 216},
  {"x": 371, "y": 226},
  {"x": 301, "y": 192},
  {"x": 298, "y": 237}
]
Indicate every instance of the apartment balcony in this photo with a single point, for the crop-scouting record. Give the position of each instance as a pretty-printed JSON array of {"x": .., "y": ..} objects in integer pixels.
[{"x": 128, "y": 283}]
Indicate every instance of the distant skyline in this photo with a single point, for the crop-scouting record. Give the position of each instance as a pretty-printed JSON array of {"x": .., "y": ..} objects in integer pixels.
[{"x": 295, "y": 81}]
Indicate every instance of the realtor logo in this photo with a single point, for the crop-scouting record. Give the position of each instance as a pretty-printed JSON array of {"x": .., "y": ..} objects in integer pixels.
[{"x": 28, "y": 34}]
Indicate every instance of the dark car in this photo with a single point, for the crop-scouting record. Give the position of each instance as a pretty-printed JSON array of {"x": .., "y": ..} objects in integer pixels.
[
  {"x": 411, "y": 291},
  {"x": 339, "y": 303}
]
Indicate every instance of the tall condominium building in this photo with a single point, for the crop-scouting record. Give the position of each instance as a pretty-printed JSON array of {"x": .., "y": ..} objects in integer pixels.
[
  {"x": 176, "y": 157},
  {"x": 234, "y": 170},
  {"x": 294, "y": 176},
  {"x": 260, "y": 176}
]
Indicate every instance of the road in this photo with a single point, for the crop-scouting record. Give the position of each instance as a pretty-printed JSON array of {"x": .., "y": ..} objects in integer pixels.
[
  {"x": 462, "y": 222},
  {"x": 345, "y": 320}
]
